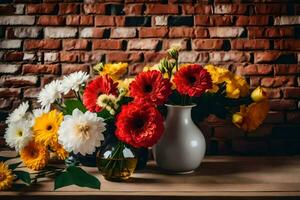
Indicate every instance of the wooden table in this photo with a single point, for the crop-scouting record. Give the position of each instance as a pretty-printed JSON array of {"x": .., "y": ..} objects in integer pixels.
[{"x": 217, "y": 178}]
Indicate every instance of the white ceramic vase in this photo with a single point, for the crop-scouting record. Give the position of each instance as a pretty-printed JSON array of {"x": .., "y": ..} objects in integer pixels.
[{"x": 182, "y": 146}]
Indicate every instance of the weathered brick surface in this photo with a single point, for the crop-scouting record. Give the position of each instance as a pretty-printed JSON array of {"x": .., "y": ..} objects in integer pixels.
[{"x": 41, "y": 40}]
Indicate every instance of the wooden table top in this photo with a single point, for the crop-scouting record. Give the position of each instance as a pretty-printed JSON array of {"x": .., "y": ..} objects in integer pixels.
[{"x": 218, "y": 177}]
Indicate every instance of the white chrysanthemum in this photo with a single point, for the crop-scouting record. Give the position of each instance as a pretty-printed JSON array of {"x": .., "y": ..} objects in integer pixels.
[
  {"x": 109, "y": 102},
  {"x": 18, "y": 114},
  {"x": 18, "y": 134},
  {"x": 49, "y": 94},
  {"x": 81, "y": 132},
  {"x": 73, "y": 81}
]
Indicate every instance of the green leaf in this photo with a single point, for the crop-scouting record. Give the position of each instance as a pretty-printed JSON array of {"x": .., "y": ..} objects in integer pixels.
[
  {"x": 72, "y": 104},
  {"x": 104, "y": 114},
  {"x": 76, "y": 176},
  {"x": 14, "y": 165},
  {"x": 62, "y": 180},
  {"x": 24, "y": 176},
  {"x": 82, "y": 178}
]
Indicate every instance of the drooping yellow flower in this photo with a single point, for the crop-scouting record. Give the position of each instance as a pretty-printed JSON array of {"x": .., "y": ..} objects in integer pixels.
[
  {"x": 251, "y": 117},
  {"x": 259, "y": 94},
  {"x": 46, "y": 127},
  {"x": 236, "y": 86},
  {"x": 114, "y": 70},
  {"x": 6, "y": 177},
  {"x": 59, "y": 151},
  {"x": 35, "y": 156}
]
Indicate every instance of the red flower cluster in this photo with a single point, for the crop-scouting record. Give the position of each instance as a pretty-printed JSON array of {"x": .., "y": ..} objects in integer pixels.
[
  {"x": 192, "y": 80},
  {"x": 139, "y": 124},
  {"x": 98, "y": 86},
  {"x": 150, "y": 86}
]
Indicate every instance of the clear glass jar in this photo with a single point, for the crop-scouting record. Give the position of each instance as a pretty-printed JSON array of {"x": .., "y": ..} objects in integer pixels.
[{"x": 116, "y": 162}]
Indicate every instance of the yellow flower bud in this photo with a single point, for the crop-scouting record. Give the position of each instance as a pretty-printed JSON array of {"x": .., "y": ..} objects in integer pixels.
[
  {"x": 259, "y": 94},
  {"x": 237, "y": 119}
]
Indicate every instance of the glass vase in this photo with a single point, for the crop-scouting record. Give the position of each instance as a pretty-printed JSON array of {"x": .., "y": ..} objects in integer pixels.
[{"x": 116, "y": 162}]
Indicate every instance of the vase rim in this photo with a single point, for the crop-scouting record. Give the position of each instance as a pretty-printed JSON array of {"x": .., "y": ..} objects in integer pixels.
[{"x": 181, "y": 106}]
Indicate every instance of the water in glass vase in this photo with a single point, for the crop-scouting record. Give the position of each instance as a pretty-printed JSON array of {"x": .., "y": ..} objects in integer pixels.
[{"x": 116, "y": 163}]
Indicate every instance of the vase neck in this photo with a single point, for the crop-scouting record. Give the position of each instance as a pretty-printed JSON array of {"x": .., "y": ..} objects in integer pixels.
[{"x": 179, "y": 112}]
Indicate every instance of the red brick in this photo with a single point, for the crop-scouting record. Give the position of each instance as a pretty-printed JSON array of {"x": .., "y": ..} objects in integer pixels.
[
  {"x": 257, "y": 69},
  {"x": 153, "y": 32},
  {"x": 45, "y": 44},
  {"x": 120, "y": 20},
  {"x": 291, "y": 93},
  {"x": 252, "y": 20},
  {"x": 161, "y": 9},
  {"x": 69, "y": 57},
  {"x": 262, "y": 9},
  {"x": 18, "y": 81},
  {"x": 283, "y": 104},
  {"x": 68, "y": 8},
  {"x": 31, "y": 92},
  {"x": 275, "y": 117},
  {"x": 229, "y": 131},
  {"x": 151, "y": 56},
  {"x": 274, "y": 93},
  {"x": 285, "y": 69},
  {"x": 80, "y": 44},
  {"x": 47, "y": 20},
  {"x": 7, "y": 9},
  {"x": 287, "y": 44},
  {"x": 10, "y": 92},
  {"x": 133, "y": 9},
  {"x": 196, "y": 9},
  {"x": 254, "y": 81},
  {"x": 247, "y": 44},
  {"x": 278, "y": 81},
  {"x": 230, "y": 9},
  {"x": 13, "y": 56},
  {"x": 44, "y": 8},
  {"x": 107, "y": 44},
  {"x": 91, "y": 57},
  {"x": 233, "y": 56},
  {"x": 293, "y": 117},
  {"x": 41, "y": 69},
  {"x": 266, "y": 57},
  {"x": 123, "y": 57},
  {"x": 70, "y": 68},
  {"x": 142, "y": 44},
  {"x": 104, "y": 21},
  {"x": 91, "y": 32},
  {"x": 203, "y": 44},
  {"x": 205, "y": 20},
  {"x": 181, "y": 42},
  {"x": 270, "y": 32},
  {"x": 201, "y": 32},
  {"x": 76, "y": 20},
  {"x": 94, "y": 8},
  {"x": 179, "y": 32}
]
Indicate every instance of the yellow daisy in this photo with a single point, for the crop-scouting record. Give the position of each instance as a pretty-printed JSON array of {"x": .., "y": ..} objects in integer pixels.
[
  {"x": 46, "y": 127},
  {"x": 35, "y": 156},
  {"x": 6, "y": 177},
  {"x": 59, "y": 151},
  {"x": 251, "y": 117},
  {"x": 114, "y": 70}
]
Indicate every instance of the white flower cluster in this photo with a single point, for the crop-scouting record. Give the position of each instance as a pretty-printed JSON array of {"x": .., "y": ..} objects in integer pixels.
[
  {"x": 54, "y": 90},
  {"x": 19, "y": 131}
]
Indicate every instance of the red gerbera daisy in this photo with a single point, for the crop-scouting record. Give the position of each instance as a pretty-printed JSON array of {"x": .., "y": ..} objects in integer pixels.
[
  {"x": 139, "y": 124},
  {"x": 192, "y": 80},
  {"x": 98, "y": 86},
  {"x": 150, "y": 86}
]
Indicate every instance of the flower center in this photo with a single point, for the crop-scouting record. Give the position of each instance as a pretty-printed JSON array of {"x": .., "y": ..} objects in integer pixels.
[
  {"x": 19, "y": 133},
  {"x": 138, "y": 123},
  {"x": 33, "y": 153},
  {"x": 191, "y": 79},
  {"x": 83, "y": 130},
  {"x": 148, "y": 88},
  {"x": 49, "y": 127},
  {"x": 2, "y": 177}
]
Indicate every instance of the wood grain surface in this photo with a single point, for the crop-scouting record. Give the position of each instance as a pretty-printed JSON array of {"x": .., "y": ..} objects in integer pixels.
[{"x": 217, "y": 178}]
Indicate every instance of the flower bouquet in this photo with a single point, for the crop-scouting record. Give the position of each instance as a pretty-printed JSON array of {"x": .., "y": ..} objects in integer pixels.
[{"x": 114, "y": 117}]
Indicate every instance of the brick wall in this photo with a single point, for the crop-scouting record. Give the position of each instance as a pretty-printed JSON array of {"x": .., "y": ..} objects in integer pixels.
[{"x": 44, "y": 39}]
